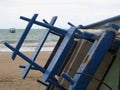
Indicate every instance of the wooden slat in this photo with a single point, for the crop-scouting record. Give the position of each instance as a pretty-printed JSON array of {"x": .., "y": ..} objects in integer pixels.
[
  {"x": 101, "y": 71},
  {"x": 75, "y": 60},
  {"x": 112, "y": 77}
]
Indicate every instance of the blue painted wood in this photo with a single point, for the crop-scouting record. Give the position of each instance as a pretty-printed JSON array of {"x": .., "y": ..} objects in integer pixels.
[
  {"x": 99, "y": 24},
  {"x": 95, "y": 55},
  {"x": 47, "y": 85},
  {"x": 59, "y": 31},
  {"x": 64, "y": 49},
  {"x": 56, "y": 30},
  {"x": 33, "y": 68},
  {"x": 68, "y": 78},
  {"x": 55, "y": 33},
  {"x": 23, "y": 36},
  {"x": 40, "y": 68},
  {"x": 60, "y": 55},
  {"x": 81, "y": 81},
  {"x": 53, "y": 28},
  {"x": 53, "y": 52},
  {"x": 35, "y": 54}
]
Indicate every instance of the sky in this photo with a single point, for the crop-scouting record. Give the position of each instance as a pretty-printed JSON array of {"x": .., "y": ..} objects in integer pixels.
[{"x": 75, "y": 11}]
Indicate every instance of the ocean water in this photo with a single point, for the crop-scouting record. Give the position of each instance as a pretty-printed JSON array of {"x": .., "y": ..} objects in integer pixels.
[{"x": 31, "y": 41}]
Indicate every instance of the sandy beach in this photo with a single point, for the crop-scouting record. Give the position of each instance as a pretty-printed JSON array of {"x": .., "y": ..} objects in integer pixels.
[{"x": 10, "y": 73}]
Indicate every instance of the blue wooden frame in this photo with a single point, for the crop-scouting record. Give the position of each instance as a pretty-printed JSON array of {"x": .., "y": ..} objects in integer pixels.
[
  {"x": 59, "y": 57},
  {"x": 35, "y": 54},
  {"x": 104, "y": 43},
  {"x": 65, "y": 43},
  {"x": 24, "y": 36},
  {"x": 94, "y": 58}
]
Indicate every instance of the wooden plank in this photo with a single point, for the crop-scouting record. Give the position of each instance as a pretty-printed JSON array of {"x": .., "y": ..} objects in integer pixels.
[
  {"x": 38, "y": 48},
  {"x": 75, "y": 60},
  {"x": 112, "y": 77},
  {"x": 53, "y": 52},
  {"x": 101, "y": 71},
  {"x": 82, "y": 81},
  {"x": 60, "y": 56}
]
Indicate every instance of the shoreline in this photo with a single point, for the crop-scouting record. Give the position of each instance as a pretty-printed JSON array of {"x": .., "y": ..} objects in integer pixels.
[
  {"x": 3, "y": 48},
  {"x": 26, "y": 49}
]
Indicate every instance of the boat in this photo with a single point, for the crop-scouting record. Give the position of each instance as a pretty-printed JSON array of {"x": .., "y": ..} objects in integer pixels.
[{"x": 12, "y": 30}]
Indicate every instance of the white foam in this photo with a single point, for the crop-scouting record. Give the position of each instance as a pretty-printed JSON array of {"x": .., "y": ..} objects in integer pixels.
[{"x": 26, "y": 49}]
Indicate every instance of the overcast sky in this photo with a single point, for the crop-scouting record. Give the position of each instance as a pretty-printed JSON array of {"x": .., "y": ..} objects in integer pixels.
[{"x": 74, "y": 11}]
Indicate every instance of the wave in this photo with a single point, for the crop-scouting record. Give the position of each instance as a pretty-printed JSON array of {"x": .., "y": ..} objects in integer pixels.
[
  {"x": 26, "y": 48},
  {"x": 31, "y": 41}
]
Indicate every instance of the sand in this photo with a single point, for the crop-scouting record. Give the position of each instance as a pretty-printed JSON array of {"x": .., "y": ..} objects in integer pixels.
[{"x": 10, "y": 73}]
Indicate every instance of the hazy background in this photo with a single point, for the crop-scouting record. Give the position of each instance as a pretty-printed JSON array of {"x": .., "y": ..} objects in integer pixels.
[{"x": 75, "y": 11}]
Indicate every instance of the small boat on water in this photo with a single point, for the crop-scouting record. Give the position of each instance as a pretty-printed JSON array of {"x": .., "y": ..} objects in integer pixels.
[{"x": 12, "y": 30}]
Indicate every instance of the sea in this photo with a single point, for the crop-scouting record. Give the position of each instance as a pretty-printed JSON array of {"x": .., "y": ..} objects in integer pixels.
[{"x": 31, "y": 41}]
